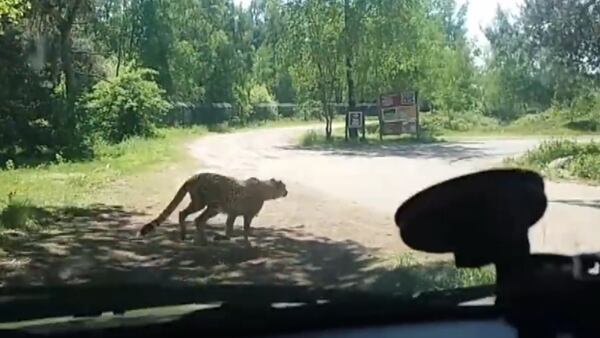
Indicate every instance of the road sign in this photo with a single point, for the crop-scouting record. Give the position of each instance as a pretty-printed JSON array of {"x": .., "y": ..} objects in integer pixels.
[
  {"x": 399, "y": 114},
  {"x": 355, "y": 119}
]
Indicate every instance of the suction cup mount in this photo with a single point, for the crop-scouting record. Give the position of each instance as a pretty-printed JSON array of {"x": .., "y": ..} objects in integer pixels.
[{"x": 481, "y": 218}]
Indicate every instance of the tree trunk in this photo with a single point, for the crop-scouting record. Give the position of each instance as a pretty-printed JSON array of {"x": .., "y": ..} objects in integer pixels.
[
  {"x": 353, "y": 133},
  {"x": 67, "y": 67},
  {"x": 327, "y": 116}
]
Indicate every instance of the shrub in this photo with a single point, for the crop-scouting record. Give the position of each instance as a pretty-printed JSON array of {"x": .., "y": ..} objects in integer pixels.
[
  {"x": 263, "y": 105},
  {"x": 127, "y": 105},
  {"x": 20, "y": 214},
  {"x": 549, "y": 151},
  {"x": 310, "y": 138},
  {"x": 310, "y": 109},
  {"x": 456, "y": 121},
  {"x": 573, "y": 159}
]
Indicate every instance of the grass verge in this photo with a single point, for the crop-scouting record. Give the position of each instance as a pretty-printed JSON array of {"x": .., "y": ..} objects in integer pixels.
[
  {"x": 317, "y": 139},
  {"x": 408, "y": 274},
  {"x": 563, "y": 159},
  {"x": 469, "y": 124},
  {"x": 28, "y": 193}
]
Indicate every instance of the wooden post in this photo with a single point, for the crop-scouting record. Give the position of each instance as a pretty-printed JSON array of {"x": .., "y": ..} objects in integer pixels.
[
  {"x": 346, "y": 126},
  {"x": 418, "y": 124},
  {"x": 364, "y": 127}
]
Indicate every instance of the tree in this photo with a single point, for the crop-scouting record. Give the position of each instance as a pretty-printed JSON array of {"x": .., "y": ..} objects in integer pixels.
[
  {"x": 569, "y": 29},
  {"x": 12, "y": 11},
  {"x": 315, "y": 49}
]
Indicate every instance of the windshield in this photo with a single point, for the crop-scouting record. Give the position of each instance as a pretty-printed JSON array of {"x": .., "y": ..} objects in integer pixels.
[{"x": 270, "y": 142}]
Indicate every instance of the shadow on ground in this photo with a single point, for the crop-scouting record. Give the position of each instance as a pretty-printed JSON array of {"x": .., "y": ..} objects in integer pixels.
[
  {"x": 96, "y": 245},
  {"x": 440, "y": 150},
  {"x": 580, "y": 203}
]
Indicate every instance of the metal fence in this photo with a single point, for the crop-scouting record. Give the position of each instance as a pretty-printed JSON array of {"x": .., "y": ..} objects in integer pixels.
[{"x": 212, "y": 113}]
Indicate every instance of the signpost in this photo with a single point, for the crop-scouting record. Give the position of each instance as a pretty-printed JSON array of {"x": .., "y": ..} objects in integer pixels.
[
  {"x": 398, "y": 114},
  {"x": 355, "y": 120}
]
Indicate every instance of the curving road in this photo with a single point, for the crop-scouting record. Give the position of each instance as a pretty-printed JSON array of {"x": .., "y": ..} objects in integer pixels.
[{"x": 378, "y": 180}]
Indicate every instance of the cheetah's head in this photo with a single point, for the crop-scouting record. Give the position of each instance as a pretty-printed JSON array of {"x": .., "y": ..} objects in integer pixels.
[{"x": 279, "y": 189}]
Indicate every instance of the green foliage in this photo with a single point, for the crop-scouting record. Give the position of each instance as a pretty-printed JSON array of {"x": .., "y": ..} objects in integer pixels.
[
  {"x": 564, "y": 158},
  {"x": 207, "y": 53},
  {"x": 549, "y": 151},
  {"x": 12, "y": 10},
  {"x": 566, "y": 34},
  {"x": 309, "y": 109},
  {"x": 20, "y": 214},
  {"x": 557, "y": 120},
  {"x": 263, "y": 105},
  {"x": 310, "y": 138},
  {"x": 413, "y": 275},
  {"x": 444, "y": 121},
  {"x": 75, "y": 183},
  {"x": 536, "y": 61},
  {"x": 127, "y": 105}
]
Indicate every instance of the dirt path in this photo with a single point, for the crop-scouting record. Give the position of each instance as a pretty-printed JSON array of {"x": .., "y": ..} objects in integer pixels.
[
  {"x": 379, "y": 179},
  {"x": 334, "y": 229}
]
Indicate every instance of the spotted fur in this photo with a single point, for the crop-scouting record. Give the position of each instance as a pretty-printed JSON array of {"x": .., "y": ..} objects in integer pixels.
[{"x": 219, "y": 194}]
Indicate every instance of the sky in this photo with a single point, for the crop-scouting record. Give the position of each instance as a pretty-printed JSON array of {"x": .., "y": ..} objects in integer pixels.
[{"x": 481, "y": 12}]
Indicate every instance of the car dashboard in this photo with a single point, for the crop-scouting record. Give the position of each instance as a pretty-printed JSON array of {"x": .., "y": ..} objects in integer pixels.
[{"x": 449, "y": 329}]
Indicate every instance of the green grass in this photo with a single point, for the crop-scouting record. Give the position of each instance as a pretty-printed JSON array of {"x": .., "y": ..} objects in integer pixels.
[
  {"x": 63, "y": 184},
  {"x": 26, "y": 192},
  {"x": 20, "y": 214},
  {"x": 78, "y": 182},
  {"x": 550, "y": 123},
  {"x": 563, "y": 159},
  {"x": 513, "y": 131},
  {"x": 406, "y": 274},
  {"x": 317, "y": 139},
  {"x": 441, "y": 126}
]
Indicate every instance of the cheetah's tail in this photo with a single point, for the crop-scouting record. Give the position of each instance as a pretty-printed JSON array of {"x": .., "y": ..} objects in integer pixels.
[{"x": 149, "y": 227}]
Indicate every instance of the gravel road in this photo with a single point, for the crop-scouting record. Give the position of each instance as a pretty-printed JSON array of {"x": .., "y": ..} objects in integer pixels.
[{"x": 378, "y": 180}]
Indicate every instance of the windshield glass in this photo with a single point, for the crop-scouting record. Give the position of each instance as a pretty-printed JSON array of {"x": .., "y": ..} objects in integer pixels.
[{"x": 270, "y": 142}]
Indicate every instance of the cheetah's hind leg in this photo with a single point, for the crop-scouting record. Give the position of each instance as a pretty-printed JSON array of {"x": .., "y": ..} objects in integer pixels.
[{"x": 196, "y": 204}]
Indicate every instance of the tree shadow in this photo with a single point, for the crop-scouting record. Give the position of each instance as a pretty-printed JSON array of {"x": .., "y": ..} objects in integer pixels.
[
  {"x": 96, "y": 245},
  {"x": 580, "y": 203},
  {"x": 440, "y": 150}
]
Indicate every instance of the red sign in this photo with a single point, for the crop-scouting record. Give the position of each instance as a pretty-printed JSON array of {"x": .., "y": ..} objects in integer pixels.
[{"x": 390, "y": 101}]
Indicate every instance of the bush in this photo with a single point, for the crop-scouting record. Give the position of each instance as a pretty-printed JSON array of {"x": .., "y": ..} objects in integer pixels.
[
  {"x": 263, "y": 105},
  {"x": 310, "y": 138},
  {"x": 127, "y": 105},
  {"x": 586, "y": 166},
  {"x": 566, "y": 158},
  {"x": 20, "y": 214},
  {"x": 310, "y": 109},
  {"x": 588, "y": 104},
  {"x": 435, "y": 123},
  {"x": 549, "y": 151}
]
